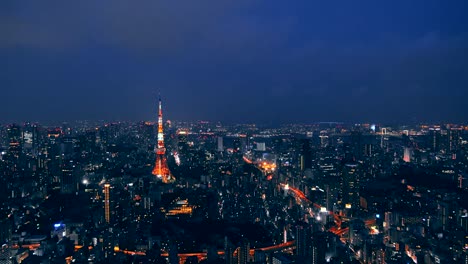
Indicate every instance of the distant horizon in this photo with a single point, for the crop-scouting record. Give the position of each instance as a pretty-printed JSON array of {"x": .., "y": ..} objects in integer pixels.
[{"x": 103, "y": 121}]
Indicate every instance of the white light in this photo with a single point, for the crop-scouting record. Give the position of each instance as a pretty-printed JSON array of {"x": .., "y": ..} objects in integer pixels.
[{"x": 85, "y": 181}]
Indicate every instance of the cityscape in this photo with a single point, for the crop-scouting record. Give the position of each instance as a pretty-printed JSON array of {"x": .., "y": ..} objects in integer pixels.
[
  {"x": 203, "y": 192},
  {"x": 234, "y": 132}
]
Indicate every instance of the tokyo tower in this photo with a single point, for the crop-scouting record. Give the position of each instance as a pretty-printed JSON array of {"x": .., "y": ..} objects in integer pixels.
[{"x": 161, "y": 170}]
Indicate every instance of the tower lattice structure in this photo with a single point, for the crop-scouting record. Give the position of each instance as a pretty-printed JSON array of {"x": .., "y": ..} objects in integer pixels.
[{"x": 161, "y": 170}]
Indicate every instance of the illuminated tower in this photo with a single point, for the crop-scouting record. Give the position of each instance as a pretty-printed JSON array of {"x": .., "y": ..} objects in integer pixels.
[
  {"x": 161, "y": 170},
  {"x": 107, "y": 202},
  {"x": 407, "y": 155}
]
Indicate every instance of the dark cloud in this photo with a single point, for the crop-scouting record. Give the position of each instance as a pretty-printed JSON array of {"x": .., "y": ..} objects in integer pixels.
[{"x": 266, "y": 61}]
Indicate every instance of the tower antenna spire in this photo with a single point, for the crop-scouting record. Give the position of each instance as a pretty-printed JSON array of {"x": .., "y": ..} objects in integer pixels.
[{"x": 161, "y": 170}]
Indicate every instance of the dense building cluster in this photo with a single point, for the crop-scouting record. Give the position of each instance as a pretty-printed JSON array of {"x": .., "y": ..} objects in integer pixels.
[{"x": 84, "y": 192}]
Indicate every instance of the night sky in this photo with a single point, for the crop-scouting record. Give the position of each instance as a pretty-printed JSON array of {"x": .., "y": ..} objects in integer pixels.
[{"x": 235, "y": 60}]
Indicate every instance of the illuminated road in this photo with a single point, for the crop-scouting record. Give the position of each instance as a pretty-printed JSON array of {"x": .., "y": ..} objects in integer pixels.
[
  {"x": 302, "y": 196},
  {"x": 247, "y": 160},
  {"x": 277, "y": 247},
  {"x": 337, "y": 230},
  {"x": 202, "y": 255}
]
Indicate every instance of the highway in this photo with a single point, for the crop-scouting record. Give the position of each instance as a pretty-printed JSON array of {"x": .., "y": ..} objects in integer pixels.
[
  {"x": 202, "y": 255},
  {"x": 337, "y": 230}
]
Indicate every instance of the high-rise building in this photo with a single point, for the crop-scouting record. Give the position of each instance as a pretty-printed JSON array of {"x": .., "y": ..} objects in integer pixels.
[
  {"x": 350, "y": 185},
  {"x": 243, "y": 252},
  {"x": 5, "y": 254},
  {"x": 220, "y": 144},
  {"x": 107, "y": 202},
  {"x": 323, "y": 247},
  {"x": 228, "y": 259},
  {"x": 356, "y": 144},
  {"x": 261, "y": 146},
  {"x": 303, "y": 241},
  {"x": 323, "y": 140},
  {"x": 67, "y": 180},
  {"x": 182, "y": 141},
  {"x": 68, "y": 146},
  {"x": 306, "y": 155},
  {"x": 463, "y": 221},
  {"x": 453, "y": 139},
  {"x": 161, "y": 169},
  {"x": 228, "y": 251},
  {"x": 14, "y": 133},
  {"x": 147, "y": 129},
  {"x": 14, "y": 138},
  {"x": 30, "y": 136},
  {"x": 434, "y": 139}
]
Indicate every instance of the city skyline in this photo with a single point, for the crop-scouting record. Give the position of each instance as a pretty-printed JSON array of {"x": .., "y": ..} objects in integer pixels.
[
  {"x": 235, "y": 61},
  {"x": 234, "y": 131},
  {"x": 328, "y": 193}
]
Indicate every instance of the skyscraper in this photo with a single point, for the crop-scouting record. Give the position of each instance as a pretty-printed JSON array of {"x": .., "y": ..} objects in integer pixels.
[
  {"x": 434, "y": 139},
  {"x": 14, "y": 137},
  {"x": 67, "y": 179},
  {"x": 243, "y": 252},
  {"x": 30, "y": 136},
  {"x": 350, "y": 185},
  {"x": 161, "y": 170},
  {"x": 182, "y": 141},
  {"x": 303, "y": 240},
  {"x": 220, "y": 144},
  {"x": 107, "y": 202},
  {"x": 306, "y": 155}
]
